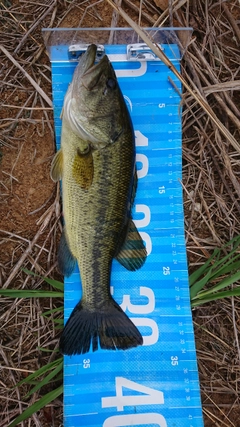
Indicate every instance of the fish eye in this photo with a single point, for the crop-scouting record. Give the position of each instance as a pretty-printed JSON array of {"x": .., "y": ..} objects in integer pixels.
[{"x": 111, "y": 83}]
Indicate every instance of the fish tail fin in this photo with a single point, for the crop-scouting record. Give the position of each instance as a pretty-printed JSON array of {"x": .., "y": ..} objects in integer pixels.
[{"x": 107, "y": 326}]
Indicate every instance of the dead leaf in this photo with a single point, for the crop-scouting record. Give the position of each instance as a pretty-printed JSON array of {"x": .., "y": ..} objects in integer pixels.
[{"x": 162, "y": 4}]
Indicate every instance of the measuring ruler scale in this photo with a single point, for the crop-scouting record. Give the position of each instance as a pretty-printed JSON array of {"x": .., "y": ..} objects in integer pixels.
[{"x": 156, "y": 384}]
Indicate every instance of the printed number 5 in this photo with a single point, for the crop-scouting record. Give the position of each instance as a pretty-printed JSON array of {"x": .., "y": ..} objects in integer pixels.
[{"x": 174, "y": 360}]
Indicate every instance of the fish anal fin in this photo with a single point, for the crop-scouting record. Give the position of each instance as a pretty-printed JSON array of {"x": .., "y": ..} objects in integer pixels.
[
  {"x": 132, "y": 253},
  {"x": 56, "y": 172},
  {"x": 66, "y": 260},
  {"x": 83, "y": 168}
]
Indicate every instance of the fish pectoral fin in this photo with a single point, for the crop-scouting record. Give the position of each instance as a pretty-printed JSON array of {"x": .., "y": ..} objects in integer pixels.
[
  {"x": 132, "y": 254},
  {"x": 83, "y": 168},
  {"x": 56, "y": 172},
  {"x": 66, "y": 260}
]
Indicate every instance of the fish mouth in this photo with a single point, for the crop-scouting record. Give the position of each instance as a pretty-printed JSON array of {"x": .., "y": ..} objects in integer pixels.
[
  {"x": 88, "y": 76},
  {"x": 92, "y": 72},
  {"x": 87, "y": 60}
]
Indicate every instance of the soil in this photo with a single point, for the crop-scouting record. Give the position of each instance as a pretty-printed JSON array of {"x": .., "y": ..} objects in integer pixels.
[{"x": 27, "y": 189}]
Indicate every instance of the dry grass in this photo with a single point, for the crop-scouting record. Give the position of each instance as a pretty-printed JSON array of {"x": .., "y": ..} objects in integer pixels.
[{"x": 210, "y": 182}]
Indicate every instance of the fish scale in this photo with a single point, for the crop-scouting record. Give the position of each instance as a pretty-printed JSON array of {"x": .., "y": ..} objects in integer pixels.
[
  {"x": 93, "y": 247},
  {"x": 96, "y": 163},
  {"x": 107, "y": 388}
]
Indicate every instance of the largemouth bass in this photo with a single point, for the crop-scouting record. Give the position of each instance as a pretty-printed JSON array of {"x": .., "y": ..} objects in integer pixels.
[{"x": 96, "y": 163}]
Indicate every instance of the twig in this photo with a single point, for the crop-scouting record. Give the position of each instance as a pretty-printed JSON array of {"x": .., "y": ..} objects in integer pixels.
[
  {"x": 213, "y": 77},
  {"x": 22, "y": 107},
  {"x": 86, "y": 11},
  {"x": 163, "y": 17},
  {"x": 27, "y": 251},
  {"x": 19, "y": 23},
  {"x": 136, "y": 9},
  {"x": 35, "y": 85},
  {"x": 232, "y": 20},
  {"x": 222, "y": 413},
  {"x": 197, "y": 95},
  {"x": 216, "y": 238},
  {"x": 36, "y": 23},
  {"x": 46, "y": 36},
  {"x": 115, "y": 17},
  {"x": 18, "y": 114},
  {"x": 228, "y": 190},
  {"x": 170, "y": 11},
  {"x": 139, "y": 13},
  {"x": 220, "y": 87},
  {"x": 7, "y": 359},
  {"x": 200, "y": 246},
  {"x": 236, "y": 332}
]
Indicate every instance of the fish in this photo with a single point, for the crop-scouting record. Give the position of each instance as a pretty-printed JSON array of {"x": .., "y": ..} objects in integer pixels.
[{"x": 96, "y": 163}]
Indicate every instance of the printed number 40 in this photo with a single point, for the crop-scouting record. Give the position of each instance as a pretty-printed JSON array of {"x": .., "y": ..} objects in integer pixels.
[{"x": 150, "y": 397}]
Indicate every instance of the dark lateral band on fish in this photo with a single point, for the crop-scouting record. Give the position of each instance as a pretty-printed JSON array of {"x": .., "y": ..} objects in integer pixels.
[{"x": 96, "y": 163}]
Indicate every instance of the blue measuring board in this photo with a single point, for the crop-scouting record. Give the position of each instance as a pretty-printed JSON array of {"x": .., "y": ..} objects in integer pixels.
[{"x": 157, "y": 384}]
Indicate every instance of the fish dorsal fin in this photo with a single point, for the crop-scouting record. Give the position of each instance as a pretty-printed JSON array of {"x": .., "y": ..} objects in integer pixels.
[
  {"x": 83, "y": 168},
  {"x": 132, "y": 254},
  {"x": 57, "y": 166}
]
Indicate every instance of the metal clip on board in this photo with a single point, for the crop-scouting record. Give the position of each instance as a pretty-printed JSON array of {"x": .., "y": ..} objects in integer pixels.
[
  {"x": 77, "y": 50},
  {"x": 134, "y": 52}
]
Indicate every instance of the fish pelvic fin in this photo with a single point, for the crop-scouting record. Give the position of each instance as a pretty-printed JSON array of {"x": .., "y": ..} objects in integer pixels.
[
  {"x": 132, "y": 254},
  {"x": 66, "y": 260},
  {"x": 107, "y": 327},
  {"x": 56, "y": 172}
]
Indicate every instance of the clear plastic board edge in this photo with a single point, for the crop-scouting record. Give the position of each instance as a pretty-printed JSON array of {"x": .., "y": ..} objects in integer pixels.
[
  {"x": 118, "y": 36},
  {"x": 155, "y": 385}
]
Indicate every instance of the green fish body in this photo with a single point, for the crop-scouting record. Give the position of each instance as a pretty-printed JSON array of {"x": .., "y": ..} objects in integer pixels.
[{"x": 96, "y": 163}]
